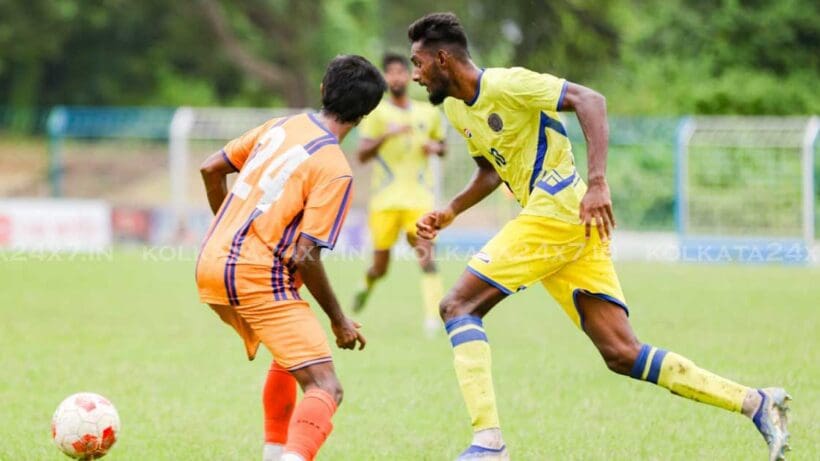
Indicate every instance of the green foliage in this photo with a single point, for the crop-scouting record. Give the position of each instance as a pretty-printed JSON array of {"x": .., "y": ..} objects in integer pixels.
[{"x": 647, "y": 56}]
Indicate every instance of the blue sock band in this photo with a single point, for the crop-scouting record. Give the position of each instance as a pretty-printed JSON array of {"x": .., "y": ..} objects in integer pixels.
[
  {"x": 474, "y": 332},
  {"x": 462, "y": 320},
  {"x": 640, "y": 362}
]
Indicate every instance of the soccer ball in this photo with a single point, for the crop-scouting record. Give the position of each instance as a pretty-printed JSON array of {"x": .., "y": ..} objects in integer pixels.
[{"x": 85, "y": 426}]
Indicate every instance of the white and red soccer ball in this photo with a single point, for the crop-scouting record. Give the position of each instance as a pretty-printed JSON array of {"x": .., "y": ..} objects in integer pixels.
[{"x": 85, "y": 426}]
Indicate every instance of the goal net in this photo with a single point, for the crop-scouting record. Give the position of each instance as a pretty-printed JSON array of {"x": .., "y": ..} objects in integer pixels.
[{"x": 745, "y": 188}]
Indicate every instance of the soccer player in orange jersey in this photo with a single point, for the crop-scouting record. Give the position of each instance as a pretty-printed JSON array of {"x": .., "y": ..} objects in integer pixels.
[{"x": 288, "y": 202}]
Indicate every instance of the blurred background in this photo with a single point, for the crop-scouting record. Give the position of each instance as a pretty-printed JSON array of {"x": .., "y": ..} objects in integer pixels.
[{"x": 117, "y": 102}]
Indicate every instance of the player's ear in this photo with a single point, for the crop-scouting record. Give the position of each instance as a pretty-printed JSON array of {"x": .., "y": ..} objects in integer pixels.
[
  {"x": 442, "y": 56},
  {"x": 322, "y": 89}
]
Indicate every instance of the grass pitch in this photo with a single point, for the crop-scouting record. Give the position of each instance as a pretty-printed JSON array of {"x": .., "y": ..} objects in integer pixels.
[{"x": 130, "y": 327}]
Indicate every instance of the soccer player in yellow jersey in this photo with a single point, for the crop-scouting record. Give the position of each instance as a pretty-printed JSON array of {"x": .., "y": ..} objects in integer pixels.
[
  {"x": 509, "y": 118},
  {"x": 398, "y": 137}
]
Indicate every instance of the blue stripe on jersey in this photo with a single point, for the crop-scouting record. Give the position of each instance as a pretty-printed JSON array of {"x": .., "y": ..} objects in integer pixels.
[
  {"x": 558, "y": 186},
  {"x": 281, "y": 121},
  {"x": 655, "y": 367},
  {"x": 287, "y": 239},
  {"x": 315, "y": 141},
  {"x": 233, "y": 256},
  {"x": 555, "y": 124},
  {"x": 462, "y": 320},
  {"x": 216, "y": 221},
  {"x": 477, "y": 89},
  {"x": 228, "y": 160},
  {"x": 468, "y": 335},
  {"x": 560, "y": 104},
  {"x": 541, "y": 152},
  {"x": 336, "y": 229},
  {"x": 640, "y": 362},
  {"x": 277, "y": 273},
  {"x": 213, "y": 228},
  {"x": 324, "y": 142},
  {"x": 320, "y": 125},
  {"x": 387, "y": 169},
  {"x": 317, "y": 241}
]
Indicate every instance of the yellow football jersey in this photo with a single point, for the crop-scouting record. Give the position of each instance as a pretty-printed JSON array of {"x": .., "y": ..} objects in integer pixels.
[
  {"x": 513, "y": 122},
  {"x": 401, "y": 177}
]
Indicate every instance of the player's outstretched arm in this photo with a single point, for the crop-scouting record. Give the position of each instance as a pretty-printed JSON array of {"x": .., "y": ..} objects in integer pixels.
[
  {"x": 485, "y": 180},
  {"x": 369, "y": 147},
  {"x": 214, "y": 170},
  {"x": 590, "y": 107},
  {"x": 308, "y": 259}
]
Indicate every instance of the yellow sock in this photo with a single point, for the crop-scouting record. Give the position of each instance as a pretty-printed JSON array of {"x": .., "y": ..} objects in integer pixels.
[
  {"x": 472, "y": 361},
  {"x": 432, "y": 290},
  {"x": 682, "y": 377}
]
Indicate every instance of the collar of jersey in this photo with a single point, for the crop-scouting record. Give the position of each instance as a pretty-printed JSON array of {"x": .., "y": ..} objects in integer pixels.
[
  {"x": 315, "y": 120},
  {"x": 477, "y": 89}
]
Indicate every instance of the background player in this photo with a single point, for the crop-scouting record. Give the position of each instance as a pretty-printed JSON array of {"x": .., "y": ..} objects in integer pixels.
[
  {"x": 289, "y": 201},
  {"x": 399, "y": 135},
  {"x": 560, "y": 238}
]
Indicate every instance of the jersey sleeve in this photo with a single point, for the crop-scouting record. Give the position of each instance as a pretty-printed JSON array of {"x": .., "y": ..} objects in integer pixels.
[
  {"x": 325, "y": 210},
  {"x": 372, "y": 126},
  {"x": 533, "y": 90},
  {"x": 236, "y": 152}
]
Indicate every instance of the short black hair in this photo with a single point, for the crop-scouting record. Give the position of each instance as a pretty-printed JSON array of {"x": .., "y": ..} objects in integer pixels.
[
  {"x": 439, "y": 29},
  {"x": 390, "y": 58},
  {"x": 352, "y": 88}
]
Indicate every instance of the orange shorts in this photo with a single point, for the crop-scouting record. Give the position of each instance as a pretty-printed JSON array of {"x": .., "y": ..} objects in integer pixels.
[{"x": 289, "y": 330}]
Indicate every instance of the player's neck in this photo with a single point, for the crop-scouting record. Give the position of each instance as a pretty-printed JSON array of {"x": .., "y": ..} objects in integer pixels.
[
  {"x": 465, "y": 82},
  {"x": 339, "y": 129},
  {"x": 400, "y": 101}
]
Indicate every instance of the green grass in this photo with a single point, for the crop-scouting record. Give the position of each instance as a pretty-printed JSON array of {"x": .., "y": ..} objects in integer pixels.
[{"x": 131, "y": 328}]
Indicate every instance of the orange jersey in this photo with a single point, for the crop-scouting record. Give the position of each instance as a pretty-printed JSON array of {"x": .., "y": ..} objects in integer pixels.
[{"x": 293, "y": 181}]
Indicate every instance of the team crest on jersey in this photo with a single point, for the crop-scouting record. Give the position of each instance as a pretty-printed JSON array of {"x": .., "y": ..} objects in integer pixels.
[
  {"x": 495, "y": 122},
  {"x": 468, "y": 133}
]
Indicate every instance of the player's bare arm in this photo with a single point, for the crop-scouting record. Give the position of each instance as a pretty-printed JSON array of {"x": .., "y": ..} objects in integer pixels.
[
  {"x": 590, "y": 107},
  {"x": 309, "y": 265},
  {"x": 484, "y": 181},
  {"x": 215, "y": 170},
  {"x": 435, "y": 148},
  {"x": 369, "y": 148}
]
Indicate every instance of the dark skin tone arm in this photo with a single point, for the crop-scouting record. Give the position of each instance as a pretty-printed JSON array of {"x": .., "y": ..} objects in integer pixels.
[
  {"x": 215, "y": 170},
  {"x": 590, "y": 107},
  {"x": 485, "y": 180},
  {"x": 308, "y": 259}
]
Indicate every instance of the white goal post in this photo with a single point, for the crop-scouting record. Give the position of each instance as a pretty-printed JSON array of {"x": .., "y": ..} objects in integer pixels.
[
  {"x": 211, "y": 128},
  {"x": 745, "y": 188}
]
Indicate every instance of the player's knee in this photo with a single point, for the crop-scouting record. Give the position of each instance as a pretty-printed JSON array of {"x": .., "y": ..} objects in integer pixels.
[
  {"x": 334, "y": 388},
  {"x": 450, "y": 306}
]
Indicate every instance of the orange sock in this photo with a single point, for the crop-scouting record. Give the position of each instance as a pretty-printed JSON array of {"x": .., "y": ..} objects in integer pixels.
[
  {"x": 311, "y": 423},
  {"x": 278, "y": 399}
]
